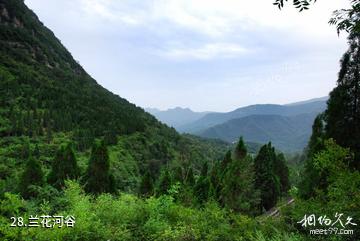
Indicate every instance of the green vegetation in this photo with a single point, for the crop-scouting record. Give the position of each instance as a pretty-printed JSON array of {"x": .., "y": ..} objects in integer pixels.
[
  {"x": 343, "y": 113},
  {"x": 32, "y": 177},
  {"x": 287, "y": 133},
  {"x": 345, "y": 19},
  {"x": 98, "y": 178},
  {"x": 63, "y": 167},
  {"x": 70, "y": 147},
  {"x": 266, "y": 179},
  {"x": 127, "y": 217}
]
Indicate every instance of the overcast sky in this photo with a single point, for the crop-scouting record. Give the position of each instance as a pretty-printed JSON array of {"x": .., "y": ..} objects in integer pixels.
[{"x": 209, "y": 55}]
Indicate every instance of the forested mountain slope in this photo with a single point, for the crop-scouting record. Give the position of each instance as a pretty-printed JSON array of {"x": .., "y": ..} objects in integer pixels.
[
  {"x": 47, "y": 98},
  {"x": 287, "y": 133},
  {"x": 213, "y": 119},
  {"x": 69, "y": 148},
  {"x": 43, "y": 88}
]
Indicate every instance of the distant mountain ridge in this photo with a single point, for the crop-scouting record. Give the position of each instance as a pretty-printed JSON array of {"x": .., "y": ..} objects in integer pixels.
[
  {"x": 287, "y": 133},
  {"x": 324, "y": 98},
  {"x": 176, "y": 117},
  {"x": 213, "y": 119},
  {"x": 288, "y": 126}
]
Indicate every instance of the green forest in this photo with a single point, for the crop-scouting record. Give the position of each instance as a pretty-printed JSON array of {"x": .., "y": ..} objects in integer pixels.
[{"x": 71, "y": 148}]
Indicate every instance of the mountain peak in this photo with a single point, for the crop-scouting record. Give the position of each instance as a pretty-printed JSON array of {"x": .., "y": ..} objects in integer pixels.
[
  {"x": 40, "y": 70},
  {"x": 322, "y": 99}
]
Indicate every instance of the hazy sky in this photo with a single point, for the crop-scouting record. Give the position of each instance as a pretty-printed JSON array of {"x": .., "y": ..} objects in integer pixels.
[{"x": 214, "y": 55}]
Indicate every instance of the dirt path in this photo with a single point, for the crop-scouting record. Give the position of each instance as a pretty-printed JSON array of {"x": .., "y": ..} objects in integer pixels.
[{"x": 274, "y": 212}]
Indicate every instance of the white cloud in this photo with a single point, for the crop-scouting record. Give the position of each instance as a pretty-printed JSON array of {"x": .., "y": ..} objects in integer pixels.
[
  {"x": 114, "y": 12},
  {"x": 206, "y": 52},
  {"x": 130, "y": 46},
  {"x": 220, "y": 23},
  {"x": 213, "y": 17}
]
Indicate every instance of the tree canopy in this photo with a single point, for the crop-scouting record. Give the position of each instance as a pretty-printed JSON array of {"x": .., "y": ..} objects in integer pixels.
[{"x": 345, "y": 19}]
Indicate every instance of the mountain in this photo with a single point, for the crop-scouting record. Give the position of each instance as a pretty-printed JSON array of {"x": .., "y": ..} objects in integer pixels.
[
  {"x": 43, "y": 87},
  {"x": 152, "y": 110},
  {"x": 287, "y": 133},
  {"x": 324, "y": 98},
  {"x": 47, "y": 99},
  {"x": 213, "y": 119},
  {"x": 176, "y": 117}
]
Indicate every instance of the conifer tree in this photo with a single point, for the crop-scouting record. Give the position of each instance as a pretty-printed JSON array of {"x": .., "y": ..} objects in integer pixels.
[
  {"x": 177, "y": 175},
  {"x": 343, "y": 110},
  {"x": 98, "y": 177},
  {"x": 316, "y": 142},
  {"x": 25, "y": 150},
  {"x": 265, "y": 178},
  {"x": 310, "y": 176},
  {"x": 221, "y": 173},
  {"x": 204, "y": 169},
  {"x": 240, "y": 150},
  {"x": 215, "y": 182},
  {"x": 32, "y": 176},
  {"x": 146, "y": 186},
  {"x": 64, "y": 166},
  {"x": 226, "y": 161},
  {"x": 239, "y": 192},
  {"x": 202, "y": 186},
  {"x": 110, "y": 137},
  {"x": 164, "y": 183},
  {"x": 237, "y": 184},
  {"x": 190, "y": 180},
  {"x": 282, "y": 172},
  {"x": 36, "y": 152}
]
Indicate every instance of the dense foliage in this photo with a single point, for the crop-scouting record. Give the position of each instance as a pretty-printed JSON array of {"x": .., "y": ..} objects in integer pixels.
[
  {"x": 69, "y": 147},
  {"x": 64, "y": 166},
  {"x": 343, "y": 113}
]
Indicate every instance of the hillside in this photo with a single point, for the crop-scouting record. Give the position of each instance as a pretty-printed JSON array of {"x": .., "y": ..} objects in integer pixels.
[
  {"x": 213, "y": 119},
  {"x": 41, "y": 81},
  {"x": 47, "y": 99},
  {"x": 78, "y": 162},
  {"x": 176, "y": 117},
  {"x": 287, "y": 133}
]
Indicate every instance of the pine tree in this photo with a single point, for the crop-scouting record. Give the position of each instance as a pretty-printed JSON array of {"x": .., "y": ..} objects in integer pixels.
[
  {"x": 237, "y": 190},
  {"x": 316, "y": 142},
  {"x": 164, "y": 183},
  {"x": 240, "y": 150},
  {"x": 282, "y": 171},
  {"x": 110, "y": 137},
  {"x": 202, "y": 186},
  {"x": 98, "y": 178},
  {"x": 25, "y": 150},
  {"x": 343, "y": 110},
  {"x": 32, "y": 176},
  {"x": 190, "y": 180},
  {"x": 265, "y": 178},
  {"x": 204, "y": 169},
  {"x": 64, "y": 166},
  {"x": 186, "y": 194},
  {"x": 202, "y": 189},
  {"x": 177, "y": 175},
  {"x": 36, "y": 153},
  {"x": 215, "y": 182},
  {"x": 310, "y": 176},
  {"x": 146, "y": 186},
  {"x": 227, "y": 160},
  {"x": 223, "y": 166}
]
